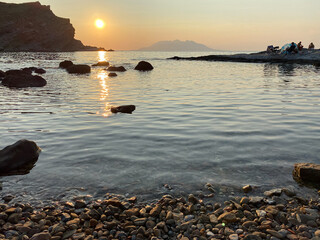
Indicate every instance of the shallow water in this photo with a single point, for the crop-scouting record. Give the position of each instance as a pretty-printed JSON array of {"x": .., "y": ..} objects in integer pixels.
[{"x": 228, "y": 124}]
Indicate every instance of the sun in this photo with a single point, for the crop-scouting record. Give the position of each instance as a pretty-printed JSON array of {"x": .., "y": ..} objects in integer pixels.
[{"x": 99, "y": 23}]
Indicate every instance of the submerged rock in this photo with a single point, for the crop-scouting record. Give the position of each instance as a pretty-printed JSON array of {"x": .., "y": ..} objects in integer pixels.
[
  {"x": 123, "y": 109},
  {"x": 307, "y": 172},
  {"x": 143, "y": 66},
  {"x": 116, "y": 69},
  {"x": 79, "y": 68},
  {"x": 21, "y": 79},
  {"x": 102, "y": 63},
  {"x": 18, "y": 158},
  {"x": 65, "y": 64},
  {"x": 40, "y": 71}
]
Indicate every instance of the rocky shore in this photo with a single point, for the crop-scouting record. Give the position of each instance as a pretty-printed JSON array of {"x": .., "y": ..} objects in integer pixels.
[
  {"x": 305, "y": 56},
  {"x": 279, "y": 214}
]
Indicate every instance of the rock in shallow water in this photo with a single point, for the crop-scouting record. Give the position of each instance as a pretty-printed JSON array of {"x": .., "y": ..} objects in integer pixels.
[
  {"x": 116, "y": 69},
  {"x": 143, "y": 66},
  {"x": 307, "y": 172},
  {"x": 18, "y": 158},
  {"x": 102, "y": 63},
  {"x": 21, "y": 79},
  {"x": 123, "y": 109},
  {"x": 65, "y": 64},
  {"x": 79, "y": 68}
]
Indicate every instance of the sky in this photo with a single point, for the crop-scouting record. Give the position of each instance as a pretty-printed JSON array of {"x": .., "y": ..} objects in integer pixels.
[{"x": 239, "y": 25}]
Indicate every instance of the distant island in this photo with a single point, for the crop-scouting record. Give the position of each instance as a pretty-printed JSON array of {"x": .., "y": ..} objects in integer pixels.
[
  {"x": 34, "y": 27},
  {"x": 177, "y": 46}
]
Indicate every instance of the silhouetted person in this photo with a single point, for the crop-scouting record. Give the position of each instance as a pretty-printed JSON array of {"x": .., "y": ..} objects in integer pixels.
[
  {"x": 292, "y": 48},
  {"x": 300, "y": 46},
  {"x": 311, "y": 46}
]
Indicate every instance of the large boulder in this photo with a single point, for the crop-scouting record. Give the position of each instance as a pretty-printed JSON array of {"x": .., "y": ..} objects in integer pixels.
[
  {"x": 307, "y": 173},
  {"x": 123, "y": 109},
  {"x": 116, "y": 69},
  {"x": 65, "y": 64},
  {"x": 102, "y": 63},
  {"x": 79, "y": 68},
  {"x": 21, "y": 79},
  {"x": 143, "y": 66},
  {"x": 18, "y": 158}
]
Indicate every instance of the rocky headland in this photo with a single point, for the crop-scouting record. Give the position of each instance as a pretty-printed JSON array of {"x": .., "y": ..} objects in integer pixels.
[
  {"x": 34, "y": 27},
  {"x": 305, "y": 56}
]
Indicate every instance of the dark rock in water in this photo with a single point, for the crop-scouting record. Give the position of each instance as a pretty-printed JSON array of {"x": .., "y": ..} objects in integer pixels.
[
  {"x": 34, "y": 27},
  {"x": 1, "y": 74},
  {"x": 103, "y": 63},
  {"x": 116, "y": 69},
  {"x": 80, "y": 68},
  {"x": 18, "y": 158},
  {"x": 40, "y": 71},
  {"x": 21, "y": 79},
  {"x": 65, "y": 64},
  {"x": 123, "y": 109},
  {"x": 143, "y": 66},
  {"x": 18, "y": 72},
  {"x": 307, "y": 173},
  {"x": 112, "y": 75}
]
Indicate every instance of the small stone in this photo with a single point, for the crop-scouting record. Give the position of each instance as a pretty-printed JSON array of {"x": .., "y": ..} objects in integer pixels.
[
  {"x": 41, "y": 236},
  {"x": 274, "y": 233},
  {"x": 317, "y": 233},
  {"x": 8, "y": 198},
  {"x": 233, "y": 237},
  {"x": 213, "y": 219},
  {"x": 228, "y": 217},
  {"x": 80, "y": 204},
  {"x": 140, "y": 221},
  {"x": 247, "y": 188},
  {"x": 273, "y": 192},
  {"x": 192, "y": 199}
]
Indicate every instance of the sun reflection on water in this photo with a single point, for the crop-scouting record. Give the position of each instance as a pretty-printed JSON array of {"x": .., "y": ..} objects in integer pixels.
[
  {"x": 102, "y": 56},
  {"x": 103, "y": 77}
]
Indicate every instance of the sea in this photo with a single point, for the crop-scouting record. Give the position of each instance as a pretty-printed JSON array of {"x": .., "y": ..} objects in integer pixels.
[{"x": 196, "y": 122}]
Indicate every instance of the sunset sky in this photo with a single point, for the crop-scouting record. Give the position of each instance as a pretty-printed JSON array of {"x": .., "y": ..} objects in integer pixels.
[{"x": 219, "y": 24}]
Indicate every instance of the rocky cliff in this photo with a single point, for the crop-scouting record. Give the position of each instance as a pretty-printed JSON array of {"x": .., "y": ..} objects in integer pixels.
[{"x": 34, "y": 27}]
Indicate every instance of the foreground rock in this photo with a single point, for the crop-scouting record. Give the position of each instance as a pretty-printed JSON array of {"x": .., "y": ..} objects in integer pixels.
[
  {"x": 34, "y": 27},
  {"x": 123, "y": 109},
  {"x": 22, "y": 79},
  {"x": 80, "y": 68},
  {"x": 2, "y": 75},
  {"x": 304, "y": 57},
  {"x": 116, "y": 69},
  {"x": 188, "y": 218},
  {"x": 307, "y": 172},
  {"x": 65, "y": 64},
  {"x": 143, "y": 66},
  {"x": 102, "y": 63},
  {"x": 18, "y": 158}
]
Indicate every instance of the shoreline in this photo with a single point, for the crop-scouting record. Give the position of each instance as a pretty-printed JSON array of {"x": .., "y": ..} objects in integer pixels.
[
  {"x": 278, "y": 214},
  {"x": 303, "y": 57}
]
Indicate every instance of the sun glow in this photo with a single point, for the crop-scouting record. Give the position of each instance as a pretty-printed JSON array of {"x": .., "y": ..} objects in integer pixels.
[{"x": 99, "y": 23}]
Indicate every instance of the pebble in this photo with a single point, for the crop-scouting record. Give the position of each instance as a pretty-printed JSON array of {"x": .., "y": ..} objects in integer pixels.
[{"x": 233, "y": 237}]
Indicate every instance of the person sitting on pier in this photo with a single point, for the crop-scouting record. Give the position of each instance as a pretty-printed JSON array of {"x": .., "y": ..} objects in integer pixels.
[
  {"x": 292, "y": 48},
  {"x": 311, "y": 46},
  {"x": 300, "y": 47}
]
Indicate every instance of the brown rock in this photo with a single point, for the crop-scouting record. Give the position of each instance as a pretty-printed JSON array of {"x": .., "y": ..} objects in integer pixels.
[{"x": 228, "y": 217}]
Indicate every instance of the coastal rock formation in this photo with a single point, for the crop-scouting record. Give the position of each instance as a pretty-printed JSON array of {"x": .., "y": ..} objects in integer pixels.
[
  {"x": 65, "y": 64},
  {"x": 144, "y": 66},
  {"x": 116, "y": 69},
  {"x": 307, "y": 172},
  {"x": 79, "y": 68},
  {"x": 21, "y": 79},
  {"x": 18, "y": 158},
  {"x": 34, "y": 27},
  {"x": 102, "y": 63},
  {"x": 304, "y": 57},
  {"x": 123, "y": 109}
]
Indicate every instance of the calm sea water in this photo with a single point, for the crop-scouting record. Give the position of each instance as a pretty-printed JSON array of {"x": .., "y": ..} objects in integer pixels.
[{"x": 228, "y": 124}]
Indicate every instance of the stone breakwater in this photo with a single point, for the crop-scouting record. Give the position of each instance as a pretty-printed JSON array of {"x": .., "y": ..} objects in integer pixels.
[
  {"x": 279, "y": 214},
  {"x": 303, "y": 57}
]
